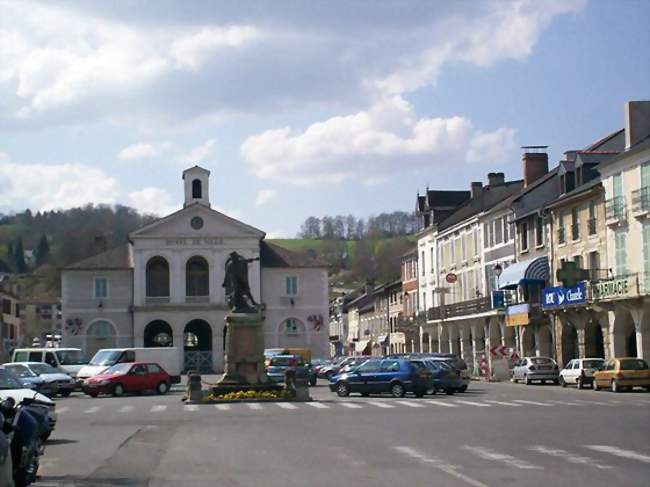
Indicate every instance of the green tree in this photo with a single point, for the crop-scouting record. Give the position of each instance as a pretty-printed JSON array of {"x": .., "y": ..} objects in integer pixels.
[
  {"x": 19, "y": 257},
  {"x": 42, "y": 251}
]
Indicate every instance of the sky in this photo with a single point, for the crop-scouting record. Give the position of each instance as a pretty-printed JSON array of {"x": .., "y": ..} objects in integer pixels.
[{"x": 301, "y": 108}]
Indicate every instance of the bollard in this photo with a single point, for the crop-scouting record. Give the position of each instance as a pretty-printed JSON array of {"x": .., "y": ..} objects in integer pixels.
[
  {"x": 301, "y": 385},
  {"x": 194, "y": 390}
]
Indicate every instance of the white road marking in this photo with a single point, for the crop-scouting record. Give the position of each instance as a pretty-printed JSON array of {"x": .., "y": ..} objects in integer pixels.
[
  {"x": 434, "y": 462},
  {"x": 593, "y": 402},
  {"x": 410, "y": 404},
  {"x": 534, "y": 403},
  {"x": 503, "y": 403},
  {"x": 477, "y": 404},
  {"x": 286, "y": 405},
  {"x": 61, "y": 410},
  {"x": 222, "y": 407},
  {"x": 255, "y": 406},
  {"x": 158, "y": 408},
  {"x": 317, "y": 405},
  {"x": 191, "y": 407},
  {"x": 488, "y": 454},
  {"x": 569, "y": 457},
  {"x": 442, "y": 403},
  {"x": 565, "y": 403},
  {"x": 351, "y": 405},
  {"x": 126, "y": 409},
  {"x": 380, "y": 404},
  {"x": 619, "y": 452},
  {"x": 92, "y": 410}
]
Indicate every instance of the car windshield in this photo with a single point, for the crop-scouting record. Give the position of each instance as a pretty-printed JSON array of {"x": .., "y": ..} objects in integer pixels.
[
  {"x": 8, "y": 380},
  {"x": 21, "y": 371},
  {"x": 634, "y": 364},
  {"x": 118, "y": 369},
  {"x": 541, "y": 361},
  {"x": 70, "y": 357},
  {"x": 419, "y": 365},
  {"x": 285, "y": 361},
  {"x": 592, "y": 364},
  {"x": 43, "y": 369},
  {"x": 106, "y": 357}
]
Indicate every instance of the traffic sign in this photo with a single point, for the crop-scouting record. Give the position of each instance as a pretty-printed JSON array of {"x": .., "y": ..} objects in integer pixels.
[{"x": 451, "y": 278}]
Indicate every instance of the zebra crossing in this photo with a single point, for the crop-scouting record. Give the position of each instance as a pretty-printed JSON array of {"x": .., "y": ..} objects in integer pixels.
[{"x": 340, "y": 405}]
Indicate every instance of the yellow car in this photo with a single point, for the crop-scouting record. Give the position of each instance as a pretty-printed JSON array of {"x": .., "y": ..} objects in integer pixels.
[{"x": 623, "y": 373}]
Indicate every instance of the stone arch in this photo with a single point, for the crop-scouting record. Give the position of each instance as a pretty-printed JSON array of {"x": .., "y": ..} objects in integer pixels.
[
  {"x": 454, "y": 340},
  {"x": 494, "y": 333},
  {"x": 101, "y": 333},
  {"x": 570, "y": 349},
  {"x": 508, "y": 334},
  {"x": 197, "y": 277},
  {"x": 158, "y": 333},
  {"x": 197, "y": 346},
  {"x": 594, "y": 340},
  {"x": 197, "y": 189},
  {"x": 425, "y": 342},
  {"x": 292, "y": 333},
  {"x": 624, "y": 334},
  {"x": 157, "y": 277},
  {"x": 544, "y": 341},
  {"x": 528, "y": 345},
  {"x": 444, "y": 338}
]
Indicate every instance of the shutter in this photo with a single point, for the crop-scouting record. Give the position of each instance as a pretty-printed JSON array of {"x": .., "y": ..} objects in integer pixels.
[{"x": 646, "y": 255}]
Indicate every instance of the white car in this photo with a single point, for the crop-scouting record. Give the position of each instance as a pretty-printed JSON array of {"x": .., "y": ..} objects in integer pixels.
[
  {"x": 11, "y": 388},
  {"x": 61, "y": 383},
  {"x": 580, "y": 371}
]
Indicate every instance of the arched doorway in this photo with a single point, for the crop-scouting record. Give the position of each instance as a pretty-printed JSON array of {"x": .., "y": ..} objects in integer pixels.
[
  {"x": 100, "y": 334},
  {"x": 444, "y": 339},
  {"x": 425, "y": 343},
  {"x": 569, "y": 343},
  {"x": 157, "y": 278},
  {"x": 594, "y": 341},
  {"x": 197, "y": 346},
  {"x": 545, "y": 341},
  {"x": 292, "y": 334},
  {"x": 527, "y": 337},
  {"x": 197, "y": 277},
  {"x": 624, "y": 334},
  {"x": 158, "y": 333}
]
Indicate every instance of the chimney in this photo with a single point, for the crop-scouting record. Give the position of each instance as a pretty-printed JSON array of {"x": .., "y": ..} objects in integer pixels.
[
  {"x": 535, "y": 164},
  {"x": 495, "y": 178},
  {"x": 476, "y": 188},
  {"x": 370, "y": 287},
  {"x": 637, "y": 122}
]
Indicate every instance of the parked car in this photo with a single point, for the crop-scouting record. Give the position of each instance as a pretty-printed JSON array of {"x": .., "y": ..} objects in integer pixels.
[
  {"x": 31, "y": 380},
  {"x": 445, "y": 376},
  {"x": 377, "y": 376},
  {"x": 10, "y": 387},
  {"x": 580, "y": 372},
  {"x": 542, "y": 369},
  {"x": 623, "y": 373},
  {"x": 68, "y": 360},
  {"x": 128, "y": 377},
  {"x": 455, "y": 362},
  {"x": 281, "y": 364},
  {"x": 166, "y": 357}
]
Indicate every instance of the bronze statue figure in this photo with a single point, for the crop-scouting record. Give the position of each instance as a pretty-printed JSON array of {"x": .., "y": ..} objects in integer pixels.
[{"x": 238, "y": 292}]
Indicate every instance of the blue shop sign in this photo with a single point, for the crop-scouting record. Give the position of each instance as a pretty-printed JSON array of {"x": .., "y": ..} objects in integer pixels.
[{"x": 564, "y": 296}]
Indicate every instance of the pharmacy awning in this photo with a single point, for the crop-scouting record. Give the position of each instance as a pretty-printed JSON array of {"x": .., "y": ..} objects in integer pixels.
[{"x": 531, "y": 270}]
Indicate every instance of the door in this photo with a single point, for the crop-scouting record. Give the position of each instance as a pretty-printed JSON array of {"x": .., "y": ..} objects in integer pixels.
[
  {"x": 387, "y": 372},
  {"x": 137, "y": 378},
  {"x": 567, "y": 372},
  {"x": 366, "y": 381}
]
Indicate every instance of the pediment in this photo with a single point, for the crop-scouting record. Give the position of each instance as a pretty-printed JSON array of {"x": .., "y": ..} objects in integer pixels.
[{"x": 214, "y": 224}]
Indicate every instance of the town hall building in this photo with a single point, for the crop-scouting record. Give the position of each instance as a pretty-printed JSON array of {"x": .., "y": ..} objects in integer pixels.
[{"x": 164, "y": 287}]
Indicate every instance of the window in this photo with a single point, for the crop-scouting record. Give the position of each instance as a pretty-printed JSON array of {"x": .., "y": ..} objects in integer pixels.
[
  {"x": 594, "y": 264},
  {"x": 389, "y": 366},
  {"x": 617, "y": 186},
  {"x": 101, "y": 287},
  {"x": 523, "y": 229},
  {"x": 6, "y": 306},
  {"x": 578, "y": 260},
  {"x": 452, "y": 245},
  {"x": 153, "y": 369},
  {"x": 539, "y": 231},
  {"x": 196, "y": 189},
  {"x": 292, "y": 326},
  {"x": 575, "y": 224},
  {"x": 431, "y": 265},
  {"x": 486, "y": 243},
  {"x": 51, "y": 359},
  {"x": 498, "y": 232},
  {"x": 476, "y": 251},
  {"x": 506, "y": 229},
  {"x": 620, "y": 237},
  {"x": 463, "y": 248},
  {"x": 646, "y": 255},
  {"x": 423, "y": 265},
  {"x": 292, "y": 285},
  {"x": 591, "y": 223},
  {"x": 424, "y": 301},
  {"x": 35, "y": 357},
  {"x": 369, "y": 367},
  {"x": 491, "y": 234},
  {"x": 197, "y": 277},
  {"x": 157, "y": 277}
]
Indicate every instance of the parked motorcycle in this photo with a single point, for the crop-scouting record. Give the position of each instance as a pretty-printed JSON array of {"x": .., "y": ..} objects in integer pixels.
[{"x": 25, "y": 428}]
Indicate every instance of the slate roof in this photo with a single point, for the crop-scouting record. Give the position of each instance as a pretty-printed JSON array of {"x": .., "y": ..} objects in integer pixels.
[
  {"x": 584, "y": 188},
  {"x": 272, "y": 255},
  {"x": 117, "y": 258},
  {"x": 489, "y": 197}
]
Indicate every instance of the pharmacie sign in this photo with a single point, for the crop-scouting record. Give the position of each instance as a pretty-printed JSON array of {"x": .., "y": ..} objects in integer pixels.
[
  {"x": 564, "y": 296},
  {"x": 611, "y": 288}
]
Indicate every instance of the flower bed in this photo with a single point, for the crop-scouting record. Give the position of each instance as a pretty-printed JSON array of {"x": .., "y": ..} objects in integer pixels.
[{"x": 250, "y": 396}]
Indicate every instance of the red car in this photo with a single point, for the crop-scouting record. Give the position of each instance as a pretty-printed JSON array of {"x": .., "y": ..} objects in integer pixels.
[{"x": 128, "y": 377}]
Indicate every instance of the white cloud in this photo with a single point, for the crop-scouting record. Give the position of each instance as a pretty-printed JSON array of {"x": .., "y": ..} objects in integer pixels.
[
  {"x": 53, "y": 186},
  {"x": 369, "y": 145},
  {"x": 191, "y": 51},
  {"x": 199, "y": 153},
  {"x": 142, "y": 151},
  {"x": 264, "y": 196},
  {"x": 152, "y": 200}
]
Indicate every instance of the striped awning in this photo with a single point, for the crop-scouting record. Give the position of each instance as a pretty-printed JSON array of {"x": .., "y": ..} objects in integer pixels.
[{"x": 532, "y": 270}]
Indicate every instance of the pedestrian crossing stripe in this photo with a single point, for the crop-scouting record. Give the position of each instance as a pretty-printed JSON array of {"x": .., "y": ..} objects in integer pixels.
[
  {"x": 383, "y": 405},
  {"x": 191, "y": 407},
  {"x": 619, "y": 452},
  {"x": 411, "y": 404},
  {"x": 471, "y": 403},
  {"x": 222, "y": 407},
  {"x": 317, "y": 405},
  {"x": 126, "y": 409},
  {"x": 286, "y": 405},
  {"x": 158, "y": 408},
  {"x": 442, "y": 403},
  {"x": 92, "y": 410},
  {"x": 534, "y": 403},
  {"x": 503, "y": 403},
  {"x": 351, "y": 405}
]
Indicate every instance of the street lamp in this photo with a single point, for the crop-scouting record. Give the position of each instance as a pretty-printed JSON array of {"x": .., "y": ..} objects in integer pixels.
[{"x": 497, "y": 272}]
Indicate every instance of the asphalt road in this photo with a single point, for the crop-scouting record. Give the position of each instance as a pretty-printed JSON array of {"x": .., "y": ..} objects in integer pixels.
[{"x": 493, "y": 435}]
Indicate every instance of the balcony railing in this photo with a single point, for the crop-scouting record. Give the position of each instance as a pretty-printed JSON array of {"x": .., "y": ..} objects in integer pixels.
[
  {"x": 575, "y": 231},
  {"x": 592, "y": 226},
  {"x": 641, "y": 200},
  {"x": 615, "y": 210},
  {"x": 461, "y": 308},
  {"x": 561, "y": 235}
]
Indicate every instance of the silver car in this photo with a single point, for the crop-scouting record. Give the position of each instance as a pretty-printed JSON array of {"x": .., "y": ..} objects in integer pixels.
[{"x": 542, "y": 369}]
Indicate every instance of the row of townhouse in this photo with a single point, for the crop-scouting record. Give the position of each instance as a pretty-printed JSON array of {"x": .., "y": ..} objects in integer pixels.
[{"x": 555, "y": 264}]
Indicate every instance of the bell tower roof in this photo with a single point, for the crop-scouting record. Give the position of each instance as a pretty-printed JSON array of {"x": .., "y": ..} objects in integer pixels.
[{"x": 197, "y": 190}]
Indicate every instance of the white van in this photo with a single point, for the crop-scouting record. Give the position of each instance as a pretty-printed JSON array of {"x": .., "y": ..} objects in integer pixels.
[
  {"x": 166, "y": 357},
  {"x": 68, "y": 360}
]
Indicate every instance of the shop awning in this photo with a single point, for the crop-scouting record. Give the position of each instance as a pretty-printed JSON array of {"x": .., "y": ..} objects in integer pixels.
[
  {"x": 360, "y": 346},
  {"x": 532, "y": 270},
  {"x": 382, "y": 339}
]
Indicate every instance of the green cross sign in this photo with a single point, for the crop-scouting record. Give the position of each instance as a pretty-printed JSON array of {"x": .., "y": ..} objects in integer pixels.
[{"x": 570, "y": 274}]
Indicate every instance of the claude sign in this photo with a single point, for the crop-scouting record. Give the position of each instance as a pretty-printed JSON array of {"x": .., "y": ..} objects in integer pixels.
[{"x": 564, "y": 296}]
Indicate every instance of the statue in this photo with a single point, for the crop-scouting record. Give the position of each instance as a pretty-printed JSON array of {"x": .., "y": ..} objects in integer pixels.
[{"x": 238, "y": 292}]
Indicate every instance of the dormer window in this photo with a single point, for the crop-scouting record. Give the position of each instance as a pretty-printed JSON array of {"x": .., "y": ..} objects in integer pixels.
[{"x": 196, "y": 189}]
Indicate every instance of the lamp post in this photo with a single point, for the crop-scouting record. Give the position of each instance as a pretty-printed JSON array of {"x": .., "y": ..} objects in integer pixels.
[{"x": 497, "y": 272}]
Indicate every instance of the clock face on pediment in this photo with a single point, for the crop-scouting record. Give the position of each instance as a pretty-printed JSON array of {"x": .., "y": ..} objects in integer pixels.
[{"x": 197, "y": 221}]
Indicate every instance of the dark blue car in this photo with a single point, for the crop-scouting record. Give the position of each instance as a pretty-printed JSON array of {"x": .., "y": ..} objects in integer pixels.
[
  {"x": 377, "y": 376},
  {"x": 446, "y": 377}
]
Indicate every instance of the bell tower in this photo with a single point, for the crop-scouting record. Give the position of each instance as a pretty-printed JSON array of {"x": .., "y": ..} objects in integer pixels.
[{"x": 197, "y": 189}]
